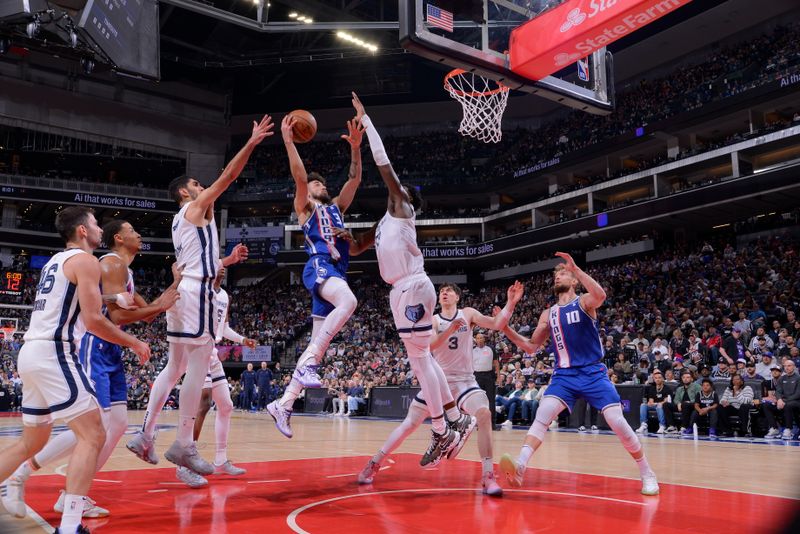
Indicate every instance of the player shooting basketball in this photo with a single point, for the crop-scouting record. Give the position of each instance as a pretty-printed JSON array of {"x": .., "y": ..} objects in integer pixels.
[{"x": 325, "y": 273}]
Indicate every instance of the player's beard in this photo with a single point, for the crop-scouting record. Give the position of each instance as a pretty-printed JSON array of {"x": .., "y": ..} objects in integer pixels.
[
  {"x": 561, "y": 288},
  {"x": 322, "y": 198}
]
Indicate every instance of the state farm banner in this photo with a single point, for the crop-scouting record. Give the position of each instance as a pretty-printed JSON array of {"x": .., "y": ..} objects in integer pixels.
[{"x": 577, "y": 28}]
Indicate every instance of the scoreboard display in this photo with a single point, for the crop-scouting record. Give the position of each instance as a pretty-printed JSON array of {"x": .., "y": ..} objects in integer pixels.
[{"x": 12, "y": 283}]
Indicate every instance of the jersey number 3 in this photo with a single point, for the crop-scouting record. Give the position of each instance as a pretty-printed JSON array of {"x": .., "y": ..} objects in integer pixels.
[
  {"x": 452, "y": 343},
  {"x": 573, "y": 317}
]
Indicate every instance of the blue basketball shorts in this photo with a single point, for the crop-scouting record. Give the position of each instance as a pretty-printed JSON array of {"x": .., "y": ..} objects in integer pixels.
[
  {"x": 589, "y": 382},
  {"x": 103, "y": 364},
  {"x": 319, "y": 268}
]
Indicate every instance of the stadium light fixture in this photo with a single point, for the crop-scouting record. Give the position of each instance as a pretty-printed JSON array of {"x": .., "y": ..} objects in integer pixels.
[{"x": 356, "y": 41}]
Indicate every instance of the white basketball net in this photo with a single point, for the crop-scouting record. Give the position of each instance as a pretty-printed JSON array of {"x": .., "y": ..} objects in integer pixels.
[{"x": 483, "y": 102}]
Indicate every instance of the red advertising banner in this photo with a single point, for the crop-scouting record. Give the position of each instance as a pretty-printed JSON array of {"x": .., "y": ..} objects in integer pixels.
[{"x": 577, "y": 28}]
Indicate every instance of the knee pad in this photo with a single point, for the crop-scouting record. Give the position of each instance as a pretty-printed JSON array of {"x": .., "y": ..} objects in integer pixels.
[
  {"x": 617, "y": 422},
  {"x": 548, "y": 410}
]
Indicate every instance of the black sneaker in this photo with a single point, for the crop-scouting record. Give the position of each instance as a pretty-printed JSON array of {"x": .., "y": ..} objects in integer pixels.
[
  {"x": 440, "y": 445},
  {"x": 464, "y": 425}
]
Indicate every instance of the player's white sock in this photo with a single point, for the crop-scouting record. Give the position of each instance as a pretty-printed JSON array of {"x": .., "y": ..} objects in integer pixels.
[
  {"x": 72, "y": 514},
  {"x": 24, "y": 471},
  {"x": 644, "y": 467},
  {"x": 162, "y": 386},
  {"x": 197, "y": 359},
  {"x": 379, "y": 457},
  {"x": 293, "y": 391},
  {"x": 115, "y": 421},
  {"x": 222, "y": 425},
  {"x": 311, "y": 356},
  {"x": 452, "y": 414},
  {"x": 57, "y": 448},
  {"x": 487, "y": 465},
  {"x": 525, "y": 454}
]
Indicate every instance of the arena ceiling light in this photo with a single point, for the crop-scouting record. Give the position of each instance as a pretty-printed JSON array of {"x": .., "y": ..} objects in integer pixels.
[
  {"x": 299, "y": 17},
  {"x": 356, "y": 41}
]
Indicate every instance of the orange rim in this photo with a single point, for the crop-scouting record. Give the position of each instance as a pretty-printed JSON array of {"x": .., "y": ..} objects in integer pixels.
[{"x": 459, "y": 92}]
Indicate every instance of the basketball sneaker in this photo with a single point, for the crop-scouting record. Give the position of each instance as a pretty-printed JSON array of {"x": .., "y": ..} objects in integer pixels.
[
  {"x": 490, "y": 486},
  {"x": 190, "y": 478},
  {"x": 367, "y": 475},
  {"x": 188, "y": 457},
  {"x": 441, "y": 445},
  {"x": 282, "y": 417},
  {"x": 81, "y": 530},
  {"x": 90, "y": 508},
  {"x": 307, "y": 376},
  {"x": 649, "y": 485},
  {"x": 513, "y": 471},
  {"x": 228, "y": 469},
  {"x": 773, "y": 433},
  {"x": 143, "y": 448},
  {"x": 464, "y": 425},
  {"x": 13, "y": 491}
]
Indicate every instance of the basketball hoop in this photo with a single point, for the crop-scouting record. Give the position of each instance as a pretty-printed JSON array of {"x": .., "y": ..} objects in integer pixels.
[
  {"x": 483, "y": 102},
  {"x": 8, "y": 333}
]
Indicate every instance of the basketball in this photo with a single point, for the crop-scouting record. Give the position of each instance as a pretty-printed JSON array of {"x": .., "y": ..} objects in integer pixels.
[{"x": 305, "y": 127}]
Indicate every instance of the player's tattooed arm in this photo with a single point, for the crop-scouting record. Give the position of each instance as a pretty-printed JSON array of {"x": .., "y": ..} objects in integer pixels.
[
  {"x": 358, "y": 244},
  {"x": 355, "y": 133}
]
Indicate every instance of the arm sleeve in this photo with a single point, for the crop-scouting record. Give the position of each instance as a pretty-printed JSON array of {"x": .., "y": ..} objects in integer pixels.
[
  {"x": 375, "y": 143},
  {"x": 228, "y": 333}
]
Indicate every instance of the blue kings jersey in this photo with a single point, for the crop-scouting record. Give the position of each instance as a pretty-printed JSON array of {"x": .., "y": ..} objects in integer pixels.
[
  {"x": 576, "y": 340},
  {"x": 318, "y": 230}
]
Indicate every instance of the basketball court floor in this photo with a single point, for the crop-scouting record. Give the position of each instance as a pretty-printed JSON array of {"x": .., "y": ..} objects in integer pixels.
[{"x": 578, "y": 482}]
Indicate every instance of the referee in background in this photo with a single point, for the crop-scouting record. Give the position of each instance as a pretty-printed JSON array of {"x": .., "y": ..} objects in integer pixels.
[{"x": 486, "y": 366}]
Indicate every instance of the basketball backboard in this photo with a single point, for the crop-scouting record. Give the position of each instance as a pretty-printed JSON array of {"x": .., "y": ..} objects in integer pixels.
[{"x": 483, "y": 48}]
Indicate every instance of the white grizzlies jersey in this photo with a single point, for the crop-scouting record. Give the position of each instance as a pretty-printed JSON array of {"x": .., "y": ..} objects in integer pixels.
[
  {"x": 455, "y": 354},
  {"x": 56, "y": 314},
  {"x": 221, "y": 304},
  {"x": 396, "y": 247},
  {"x": 196, "y": 247}
]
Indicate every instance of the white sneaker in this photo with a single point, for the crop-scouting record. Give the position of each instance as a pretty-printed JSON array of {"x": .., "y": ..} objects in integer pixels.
[
  {"x": 228, "y": 469},
  {"x": 649, "y": 485},
  {"x": 190, "y": 478},
  {"x": 594, "y": 428},
  {"x": 554, "y": 424},
  {"x": 671, "y": 430},
  {"x": 787, "y": 433},
  {"x": 90, "y": 508},
  {"x": 507, "y": 423},
  {"x": 581, "y": 428},
  {"x": 13, "y": 495},
  {"x": 661, "y": 429},
  {"x": 642, "y": 429},
  {"x": 773, "y": 433},
  {"x": 514, "y": 472}
]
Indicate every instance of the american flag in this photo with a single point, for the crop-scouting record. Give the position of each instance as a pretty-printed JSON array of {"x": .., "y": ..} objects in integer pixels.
[{"x": 440, "y": 18}]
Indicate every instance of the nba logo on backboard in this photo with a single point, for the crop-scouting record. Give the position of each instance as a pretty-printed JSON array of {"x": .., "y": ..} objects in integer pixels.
[
  {"x": 583, "y": 69},
  {"x": 626, "y": 405}
]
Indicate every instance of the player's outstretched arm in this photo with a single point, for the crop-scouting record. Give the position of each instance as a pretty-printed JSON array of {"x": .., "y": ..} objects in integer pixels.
[
  {"x": 84, "y": 271},
  {"x": 238, "y": 254},
  {"x": 500, "y": 320},
  {"x": 595, "y": 294},
  {"x": 355, "y": 133},
  {"x": 205, "y": 200},
  {"x": 537, "y": 339},
  {"x": 298, "y": 170},
  {"x": 360, "y": 243}
]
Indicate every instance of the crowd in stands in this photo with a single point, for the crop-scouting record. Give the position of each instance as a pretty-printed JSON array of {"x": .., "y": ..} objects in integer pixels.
[
  {"x": 711, "y": 310},
  {"x": 442, "y": 157}
]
